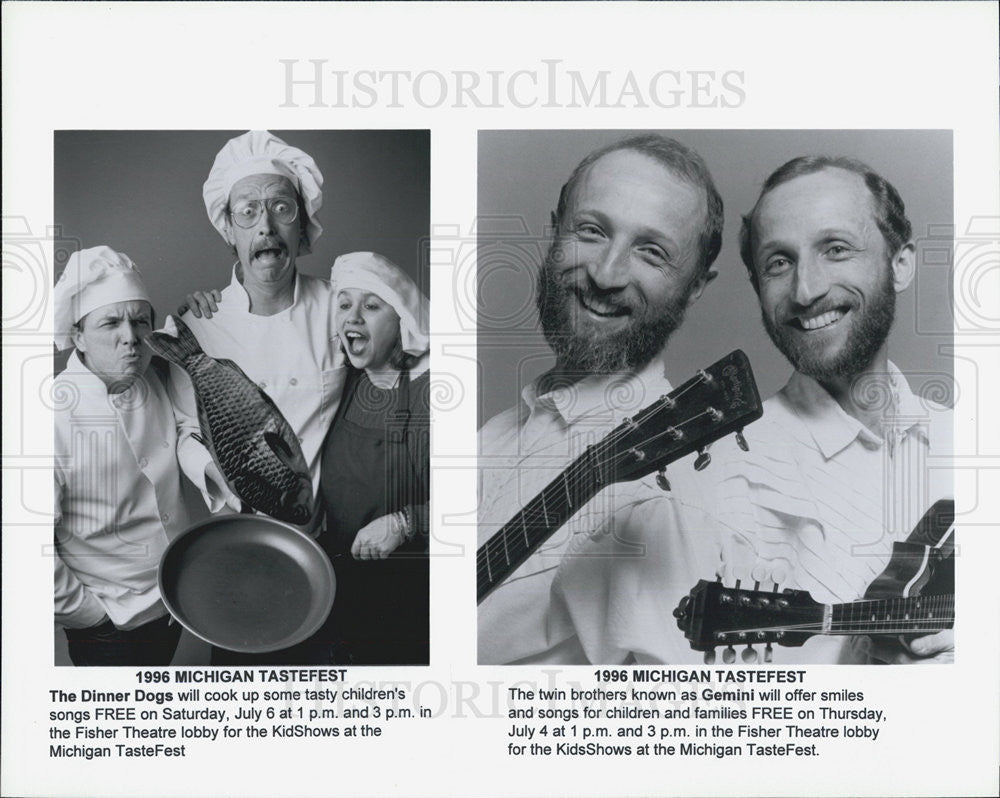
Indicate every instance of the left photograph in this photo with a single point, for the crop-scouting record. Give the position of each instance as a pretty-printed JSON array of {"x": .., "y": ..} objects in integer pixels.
[{"x": 241, "y": 397}]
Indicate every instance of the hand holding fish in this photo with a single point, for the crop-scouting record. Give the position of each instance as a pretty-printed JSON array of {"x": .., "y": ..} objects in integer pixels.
[
  {"x": 220, "y": 489},
  {"x": 201, "y": 303},
  {"x": 378, "y": 539},
  {"x": 255, "y": 449}
]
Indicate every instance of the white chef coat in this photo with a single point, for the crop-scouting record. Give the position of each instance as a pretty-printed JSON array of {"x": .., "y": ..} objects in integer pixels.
[
  {"x": 117, "y": 496},
  {"x": 293, "y": 355}
]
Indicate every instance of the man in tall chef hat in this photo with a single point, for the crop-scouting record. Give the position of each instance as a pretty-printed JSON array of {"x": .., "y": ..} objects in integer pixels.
[
  {"x": 118, "y": 455},
  {"x": 276, "y": 324}
]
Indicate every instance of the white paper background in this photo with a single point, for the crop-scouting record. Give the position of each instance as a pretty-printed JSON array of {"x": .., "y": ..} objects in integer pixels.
[{"x": 205, "y": 66}]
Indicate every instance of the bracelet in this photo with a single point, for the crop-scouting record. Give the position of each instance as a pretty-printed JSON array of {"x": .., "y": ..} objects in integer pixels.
[
  {"x": 402, "y": 524},
  {"x": 405, "y": 526}
]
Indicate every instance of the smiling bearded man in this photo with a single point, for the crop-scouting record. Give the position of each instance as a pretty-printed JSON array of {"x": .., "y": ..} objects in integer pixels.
[
  {"x": 846, "y": 459},
  {"x": 637, "y": 228},
  {"x": 586, "y": 350}
]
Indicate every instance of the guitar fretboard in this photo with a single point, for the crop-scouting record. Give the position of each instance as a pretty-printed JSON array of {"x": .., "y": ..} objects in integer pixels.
[
  {"x": 893, "y": 615},
  {"x": 518, "y": 538},
  {"x": 713, "y": 403}
]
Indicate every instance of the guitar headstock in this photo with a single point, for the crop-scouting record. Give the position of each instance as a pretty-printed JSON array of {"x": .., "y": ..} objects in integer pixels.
[
  {"x": 715, "y": 615},
  {"x": 715, "y": 402}
]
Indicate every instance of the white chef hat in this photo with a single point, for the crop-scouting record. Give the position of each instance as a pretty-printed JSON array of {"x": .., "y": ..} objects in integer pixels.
[
  {"x": 369, "y": 271},
  {"x": 259, "y": 152},
  {"x": 93, "y": 278}
]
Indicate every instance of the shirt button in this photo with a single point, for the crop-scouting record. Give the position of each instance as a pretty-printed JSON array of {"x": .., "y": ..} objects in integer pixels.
[
  {"x": 165, "y": 444},
  {"x": 262, "y": 385},
  {"x": 143, "y": 462},
  {"x": 299, "y": 438},
  {"x": 165, "y": 517},
  {"x": 293, "y": 381}
]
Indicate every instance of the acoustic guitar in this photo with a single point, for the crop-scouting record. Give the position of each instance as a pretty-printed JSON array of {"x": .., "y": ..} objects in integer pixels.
[{"x": 716, "y": 401}]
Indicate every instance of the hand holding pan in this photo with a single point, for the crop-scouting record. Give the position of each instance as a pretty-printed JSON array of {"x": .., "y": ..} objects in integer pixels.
[{"x": 247, "y": 583}]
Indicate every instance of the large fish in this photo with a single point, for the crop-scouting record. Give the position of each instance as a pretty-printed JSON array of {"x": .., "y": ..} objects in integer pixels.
[{"x": 250, "y": 440}]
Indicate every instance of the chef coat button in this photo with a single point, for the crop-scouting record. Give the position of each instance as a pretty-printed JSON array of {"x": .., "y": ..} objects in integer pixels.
[
  {"x": 293, "y": 381},
  {"x": 143, "y": 462},
  {"x": 165, "y": 517}
]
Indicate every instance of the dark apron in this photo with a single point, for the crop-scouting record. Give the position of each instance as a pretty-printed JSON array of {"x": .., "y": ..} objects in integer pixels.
[{"x": 380, "y": 613}]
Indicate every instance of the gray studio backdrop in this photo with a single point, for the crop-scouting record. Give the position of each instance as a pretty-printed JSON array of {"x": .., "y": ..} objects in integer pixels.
[
  {"x": 139, "y": 192},
  {"x": 521, "y": 172}
]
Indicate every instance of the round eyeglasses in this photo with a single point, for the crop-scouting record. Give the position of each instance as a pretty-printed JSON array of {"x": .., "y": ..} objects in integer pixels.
[{"x": 246, "y": 214}]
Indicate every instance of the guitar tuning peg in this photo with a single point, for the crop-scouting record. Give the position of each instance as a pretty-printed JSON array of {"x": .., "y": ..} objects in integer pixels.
[
  {"x": 729, "y": 655},
  {"x": 703, "y": 459},
  {"x": 768, "y": 652},
  {"x": 661, "y": 479},
  {"x": 710, "y": 657},
  {"x": 741, "y": 441},
  {"x": 749, "y": 654}
]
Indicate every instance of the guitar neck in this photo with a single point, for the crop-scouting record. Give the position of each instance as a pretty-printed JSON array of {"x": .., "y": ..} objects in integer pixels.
[
  {"x": 923, "y": 614},
  {"x": 715, "y": 402},
  {"x": 518, "y": 539}
]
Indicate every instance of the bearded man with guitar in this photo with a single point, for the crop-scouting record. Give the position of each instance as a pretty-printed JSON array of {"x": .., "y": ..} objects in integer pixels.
[
  {"x": 575, "y": 573},
  {"x": 847, "y": 459}
]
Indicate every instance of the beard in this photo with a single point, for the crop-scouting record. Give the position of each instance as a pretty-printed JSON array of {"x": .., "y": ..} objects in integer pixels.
[
  {"x": 583, "y": 349},
  {"x": 869, "y": 331}
]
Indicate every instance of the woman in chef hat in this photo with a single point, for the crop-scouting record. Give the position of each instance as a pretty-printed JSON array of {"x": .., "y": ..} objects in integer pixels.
[{"x": 375, "y": 474}]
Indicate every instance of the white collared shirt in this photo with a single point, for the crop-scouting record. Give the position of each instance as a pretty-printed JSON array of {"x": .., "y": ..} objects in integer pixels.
[
  {"x": 819, "y": 499},
  {"x": 595, "y": 591},
  {"x": 293, "y": 355},
  {"x": 117, "y": 496}
]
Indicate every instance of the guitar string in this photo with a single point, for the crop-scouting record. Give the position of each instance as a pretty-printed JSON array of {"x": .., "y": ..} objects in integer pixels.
[
  {"x": 500, "y": 540},
  {"x": 533, "y": 518},
  {"x": 496, "y": 542},
  {"x": 942, "y": 603},
  {"x": 874, "y": 629}
]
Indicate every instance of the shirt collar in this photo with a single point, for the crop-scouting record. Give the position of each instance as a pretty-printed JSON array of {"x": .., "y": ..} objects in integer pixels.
[
  {"x": 614, "y": 395},
  {"x": 833, "y": 430},
  {"x": 241, "y": 299},
  {"x": 87, "y": 381},
  {"x": 82, "y": 375}
]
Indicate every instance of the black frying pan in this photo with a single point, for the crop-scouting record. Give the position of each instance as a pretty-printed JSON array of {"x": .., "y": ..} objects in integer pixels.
[{"x": 247, "y": 583}]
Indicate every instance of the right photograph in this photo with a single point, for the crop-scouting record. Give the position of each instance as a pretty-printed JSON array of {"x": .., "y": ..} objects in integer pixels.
[{"x": 716, "y": 380}]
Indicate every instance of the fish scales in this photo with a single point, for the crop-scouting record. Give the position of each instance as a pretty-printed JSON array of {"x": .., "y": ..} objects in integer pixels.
[{"x": 250, "y": 440}]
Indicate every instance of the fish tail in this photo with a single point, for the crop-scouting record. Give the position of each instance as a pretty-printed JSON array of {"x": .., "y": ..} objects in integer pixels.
[{"x": 177, "y": 350}]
